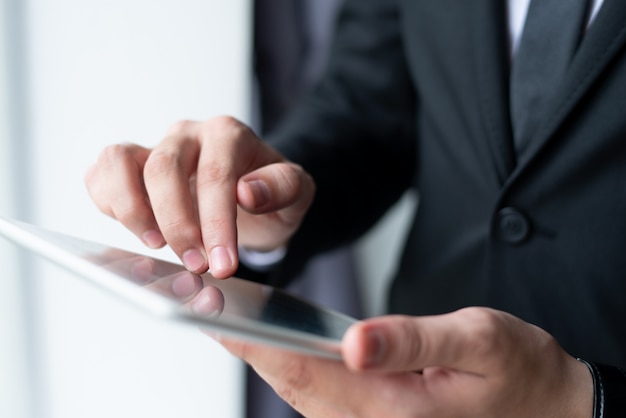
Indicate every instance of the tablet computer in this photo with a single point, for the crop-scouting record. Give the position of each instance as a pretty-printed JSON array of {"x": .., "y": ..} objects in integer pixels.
[{"x": 233, "y": 307}]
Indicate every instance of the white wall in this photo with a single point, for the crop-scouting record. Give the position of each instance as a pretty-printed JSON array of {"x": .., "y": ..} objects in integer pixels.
[{"x": 99, "y": 73}]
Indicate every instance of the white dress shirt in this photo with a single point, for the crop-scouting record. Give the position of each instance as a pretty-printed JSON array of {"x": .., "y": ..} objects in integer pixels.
[{"x": 517, "y": 10}]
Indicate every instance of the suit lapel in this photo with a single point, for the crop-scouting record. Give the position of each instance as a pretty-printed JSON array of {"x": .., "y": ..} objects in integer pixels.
[
  {"x": 492, "y": 71},
  {"x": 604, "y": 39}
]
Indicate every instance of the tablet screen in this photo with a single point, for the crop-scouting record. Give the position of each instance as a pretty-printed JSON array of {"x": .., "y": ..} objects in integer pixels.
[{"x": 233, "y": 306}]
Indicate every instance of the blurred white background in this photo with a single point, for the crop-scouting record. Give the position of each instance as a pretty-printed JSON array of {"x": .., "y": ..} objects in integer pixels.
[{"x": 75, "y": 76}]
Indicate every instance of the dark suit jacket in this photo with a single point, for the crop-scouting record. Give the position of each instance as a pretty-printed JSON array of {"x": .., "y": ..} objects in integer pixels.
[{"x": 416, "y": 96}]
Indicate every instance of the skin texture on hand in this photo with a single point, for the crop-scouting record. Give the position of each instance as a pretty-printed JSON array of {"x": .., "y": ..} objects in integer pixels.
[
  {"x": 471, "y": 363},
  {"x": 205, "y": 189}
]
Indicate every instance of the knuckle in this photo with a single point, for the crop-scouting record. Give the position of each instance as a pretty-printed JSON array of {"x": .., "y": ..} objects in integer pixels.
[
  {"x": 292, "y": 178},
  {"x": 413, "y": 347},
  {"x": 134, "y": 209},
  {"x": 484, "y": 328},
  {"x": 180, "y": 235},
  {"x": 290, "y": 171},
  {"x": 179, "y": 230},
  {"x": 213, "y": 227},
  {"x": 180, "y": 127},
  {"x": 161, "y": 162},
  {"x": 211, "y": 174},
  {"x": 115, "y": 153},
  {"x": 227, "y": 128},
  {"x": 225, "y": 122},
  {"x": 288, "y": 176}
]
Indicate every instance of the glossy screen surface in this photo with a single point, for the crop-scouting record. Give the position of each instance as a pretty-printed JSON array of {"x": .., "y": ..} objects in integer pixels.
[{"x": 234, "y": 306}]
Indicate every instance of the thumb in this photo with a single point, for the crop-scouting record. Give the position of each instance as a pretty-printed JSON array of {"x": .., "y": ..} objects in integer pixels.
[
  {"x": 280, "y": 187},
  {"x": 471, "y": 340}
]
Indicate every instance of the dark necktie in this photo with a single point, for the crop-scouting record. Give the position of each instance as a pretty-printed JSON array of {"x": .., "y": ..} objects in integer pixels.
[{"x": 552, "y": 32}]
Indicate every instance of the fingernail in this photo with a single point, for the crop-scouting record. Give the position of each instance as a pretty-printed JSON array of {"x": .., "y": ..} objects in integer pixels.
[
  {"x": 260, "y": 191},
  {"x": 375, "y": 347},
  {"x": 193, "y": 259},
  {"x": 219, "y": 259},
  {"x": 153, "y": 239}
]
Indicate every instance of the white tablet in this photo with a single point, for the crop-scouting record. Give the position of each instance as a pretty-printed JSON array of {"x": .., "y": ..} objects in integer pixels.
[{"x": 233, "y": 307}]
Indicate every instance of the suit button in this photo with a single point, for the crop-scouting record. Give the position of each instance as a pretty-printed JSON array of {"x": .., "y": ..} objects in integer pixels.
[{"x": 513, "y": 226}]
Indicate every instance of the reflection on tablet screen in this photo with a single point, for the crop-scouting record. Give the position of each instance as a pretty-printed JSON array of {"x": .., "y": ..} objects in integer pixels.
[{"x": 232, "y": 306}]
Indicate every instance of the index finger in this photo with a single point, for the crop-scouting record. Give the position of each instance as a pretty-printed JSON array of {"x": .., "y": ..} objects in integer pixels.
[{"x": 234, "y": 151}]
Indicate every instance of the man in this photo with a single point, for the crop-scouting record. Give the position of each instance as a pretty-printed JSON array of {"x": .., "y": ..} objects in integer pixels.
[{"x": 521, "y": 207}]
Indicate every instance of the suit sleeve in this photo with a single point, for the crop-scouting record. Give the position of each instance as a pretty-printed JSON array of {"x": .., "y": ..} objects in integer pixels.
[{"x": 353, "y": 133}]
